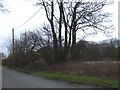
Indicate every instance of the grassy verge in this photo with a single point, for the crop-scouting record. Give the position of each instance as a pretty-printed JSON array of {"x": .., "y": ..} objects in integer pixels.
[{"x": 79, "y": 79}]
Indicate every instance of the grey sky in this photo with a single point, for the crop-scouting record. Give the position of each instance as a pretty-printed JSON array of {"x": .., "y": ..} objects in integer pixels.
[{"x": 22, "y": 10}]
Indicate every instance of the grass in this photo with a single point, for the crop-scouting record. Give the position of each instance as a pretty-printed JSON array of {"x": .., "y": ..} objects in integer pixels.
[{"x": 87, "y": 80}]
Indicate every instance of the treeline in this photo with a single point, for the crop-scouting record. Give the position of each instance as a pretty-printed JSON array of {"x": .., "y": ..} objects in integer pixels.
[
  {"x": 107, "y": 49},
  {"x": 56, "y": 40},
  {"x": 34, "y": 50}
]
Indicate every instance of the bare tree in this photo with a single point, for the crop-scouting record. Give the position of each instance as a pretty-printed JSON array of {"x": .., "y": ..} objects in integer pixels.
[
  {"x": 3, "y": 7},
  {"x": 26, "y": 49},
  {"x": 71, "y": 17}
]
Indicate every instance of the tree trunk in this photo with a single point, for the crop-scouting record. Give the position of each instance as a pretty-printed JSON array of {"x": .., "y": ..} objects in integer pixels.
[
  {"x": 74, "y": 24},
  {"x": 66, "y": 37},
  {"x": 73, "y": 48},
  {"x": 55, "y": 42},
  {"x": 60, "y": 35}
]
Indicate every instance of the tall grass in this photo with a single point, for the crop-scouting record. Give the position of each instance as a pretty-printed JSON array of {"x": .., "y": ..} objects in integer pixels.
[{"x": 107, "y": 69}]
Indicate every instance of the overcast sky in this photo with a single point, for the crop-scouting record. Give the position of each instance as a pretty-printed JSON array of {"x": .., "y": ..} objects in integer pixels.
[{"x": 22, "y": 10}]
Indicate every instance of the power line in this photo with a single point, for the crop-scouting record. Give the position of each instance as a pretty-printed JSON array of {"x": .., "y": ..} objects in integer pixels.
[
  {"x": 21, "y": 26},
  {"x": 27, "y": 20}
]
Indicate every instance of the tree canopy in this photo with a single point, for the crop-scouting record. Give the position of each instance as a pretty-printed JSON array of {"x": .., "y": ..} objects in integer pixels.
[{"x": 68, "y": 18}]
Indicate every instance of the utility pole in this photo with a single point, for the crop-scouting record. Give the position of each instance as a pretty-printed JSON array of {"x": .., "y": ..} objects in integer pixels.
[{"x": 13, "y": 40}]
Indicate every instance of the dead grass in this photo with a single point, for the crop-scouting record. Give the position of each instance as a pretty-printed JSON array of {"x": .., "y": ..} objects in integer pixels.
[{"x": 95, "y": 68}]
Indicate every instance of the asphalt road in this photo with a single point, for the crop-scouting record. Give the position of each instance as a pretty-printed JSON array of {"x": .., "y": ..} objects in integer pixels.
[{"x": 15, "y": 79}]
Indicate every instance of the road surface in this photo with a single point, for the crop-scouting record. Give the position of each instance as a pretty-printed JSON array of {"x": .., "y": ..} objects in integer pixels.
[{"x": 15, "y": 79}]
